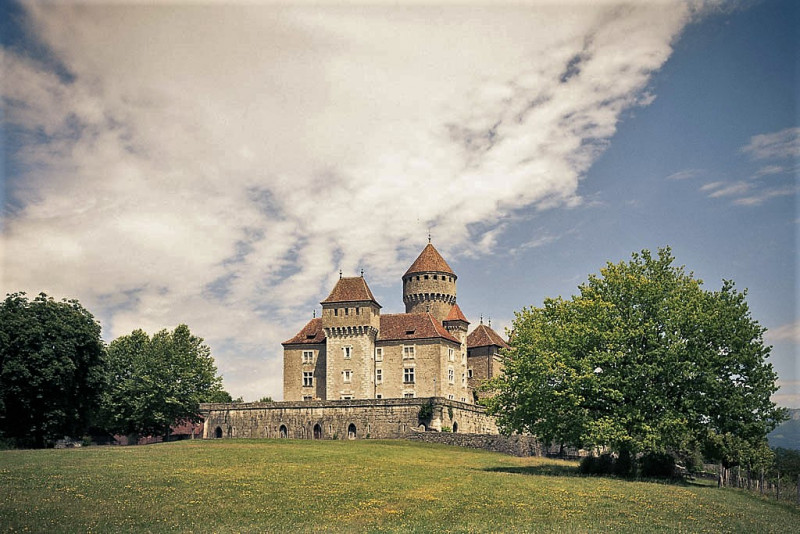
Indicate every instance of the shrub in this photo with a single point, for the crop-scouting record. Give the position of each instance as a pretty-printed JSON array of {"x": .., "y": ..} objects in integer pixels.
[
  {"x": 657, "y": 465},
  {"x": 426, "y": 411}
]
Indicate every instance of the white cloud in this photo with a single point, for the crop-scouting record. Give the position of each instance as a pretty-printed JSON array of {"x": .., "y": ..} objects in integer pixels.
[
  {"x": 735, "y": 188},
  {"x": 218, "y": 165},
  {"x": 776, "y": 145},
  {"x": 787, "y": 332},
  {"x": 686, "y": 174}
]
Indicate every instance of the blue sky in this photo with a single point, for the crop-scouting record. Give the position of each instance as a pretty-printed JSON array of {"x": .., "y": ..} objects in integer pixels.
[{"x": 217, "y": 165}]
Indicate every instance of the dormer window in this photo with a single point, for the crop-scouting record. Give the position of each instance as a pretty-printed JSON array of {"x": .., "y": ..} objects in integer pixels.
[
  {"x": 410, "y": 332},
  {"x": 311, "y": 336}
]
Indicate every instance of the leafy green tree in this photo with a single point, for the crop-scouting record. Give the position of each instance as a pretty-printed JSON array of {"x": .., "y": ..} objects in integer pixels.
[
  {"x": 642, "y": 360},
  {"x": 155, "y": 383},
  {"x": 51, "y": 369}
]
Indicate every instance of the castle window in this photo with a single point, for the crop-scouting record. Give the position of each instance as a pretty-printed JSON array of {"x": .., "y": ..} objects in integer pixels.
[
  {"x": 463, "y": 379},
  {"x": 451, "y": 375},
  {"x": 307, "y": 397},
  {"x": 336, "y": 312},
  {"x": 469, "y": 373},
  {"x": 463, "y": 399},
  {"x": 378, "y": 355},
  {"x": 426, "y": 277},
  {"x": 347, "y": 311},
  {"x": 463, "y": 357},
  {"x": 451, "y": 355},
  {"x": 347, "y": 375},
  {"x": 358, "y": 310},
  {"x": 408, "y": 375},
  {"x": 435, "y": 277},
  {"x": 408, "y": 396},
  {"x": 379, "y": 376},
  {"x": 378, "y": 396},
  {"x": 308, "y": 356},
  {"x": 347, "y": 352},
  {"x": 408, "y": 353},
  {"x": 450, "y": 397},
  {"x": 308, "y": 379},
  {"x": 417, "y": 277},
  {"x": 346, "y": 397}
]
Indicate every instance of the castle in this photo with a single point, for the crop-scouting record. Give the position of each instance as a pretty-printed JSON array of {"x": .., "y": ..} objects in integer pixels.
[
  {"x": 354, "y": 373},
  {"x": 354, "y": 352}
]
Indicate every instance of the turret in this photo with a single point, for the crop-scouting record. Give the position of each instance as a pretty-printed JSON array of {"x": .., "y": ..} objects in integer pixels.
[
  {"x": 351, "y": 321},
  {"x": 429, "y": 285}
]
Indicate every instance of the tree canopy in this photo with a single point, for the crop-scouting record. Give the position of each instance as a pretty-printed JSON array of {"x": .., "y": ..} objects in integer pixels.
[
  {"x": 643, "y": 359},
  {"x": 51, "y": 369},
  {"x": 155, "y": 383}
]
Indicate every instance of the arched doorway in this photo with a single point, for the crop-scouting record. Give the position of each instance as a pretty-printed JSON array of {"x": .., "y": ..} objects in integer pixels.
[
  {"x": 317, "y": 431},
  {"x": 283, "y": 432},
  {"x": 351, "y": 431},
  {"x": 455, "y": 427},
  {"x": 218, "y": 433}
]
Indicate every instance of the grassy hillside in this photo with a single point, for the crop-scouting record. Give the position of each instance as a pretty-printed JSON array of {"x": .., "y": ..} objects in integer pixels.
[{"x": 267, "y": 485}]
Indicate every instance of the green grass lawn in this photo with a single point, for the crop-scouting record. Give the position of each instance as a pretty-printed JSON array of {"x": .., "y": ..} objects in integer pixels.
[{"x": 288, "y": 486}]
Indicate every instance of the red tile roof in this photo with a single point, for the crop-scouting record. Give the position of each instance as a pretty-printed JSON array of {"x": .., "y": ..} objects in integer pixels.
[
  {"x": 401, "y": 326},
  {"x": 483, "y": 336},
  {"x": 429, "y": 260},
  {"x": 353, "y": 289},
  {"x": 456, "y": 315},
  {"x": 310, "y": 334}
]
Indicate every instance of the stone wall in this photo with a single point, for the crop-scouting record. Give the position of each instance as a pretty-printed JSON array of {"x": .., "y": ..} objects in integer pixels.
[
  {"x": 341, "y": 419},
  {"x": 515, "y": 445}
]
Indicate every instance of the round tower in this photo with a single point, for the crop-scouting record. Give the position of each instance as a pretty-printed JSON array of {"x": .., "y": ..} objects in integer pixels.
[{"x": 429, "y": 285}]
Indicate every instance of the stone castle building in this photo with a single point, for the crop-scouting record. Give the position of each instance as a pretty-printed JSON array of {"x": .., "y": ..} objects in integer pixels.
[
  {"x": 354, "y": 373},
  {"x": 353, "y": 352}
]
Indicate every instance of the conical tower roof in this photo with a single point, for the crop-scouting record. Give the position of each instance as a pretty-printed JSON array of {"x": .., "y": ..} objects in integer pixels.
[
  {"x": 429, "y": 260},
  {"x": 456, "y": 315}
]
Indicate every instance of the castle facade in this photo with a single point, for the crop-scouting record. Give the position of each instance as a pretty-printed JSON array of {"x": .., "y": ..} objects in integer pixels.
[{"x": 353, "y": 352}]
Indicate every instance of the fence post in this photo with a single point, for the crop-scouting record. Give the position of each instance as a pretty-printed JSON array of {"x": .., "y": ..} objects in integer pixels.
[
  {"x": 761, "y": 482},
  {"x": 778, "y": 488},
  {"x": 719, "y": 476}
]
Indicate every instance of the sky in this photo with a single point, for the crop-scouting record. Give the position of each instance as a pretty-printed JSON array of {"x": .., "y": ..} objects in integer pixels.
[{"x": 217, "y": 164}]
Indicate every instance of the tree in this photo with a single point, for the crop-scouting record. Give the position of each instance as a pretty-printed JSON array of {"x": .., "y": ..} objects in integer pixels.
[
  {"x": 641, "y": 360},
  {"x": 155, "y": 383},
  {"x": 51, "y": 369}
]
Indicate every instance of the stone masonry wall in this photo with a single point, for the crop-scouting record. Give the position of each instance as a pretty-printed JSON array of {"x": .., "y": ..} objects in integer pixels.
[
  {"x": 515, "y": 445},
  {"x": 340, "y": 419}
]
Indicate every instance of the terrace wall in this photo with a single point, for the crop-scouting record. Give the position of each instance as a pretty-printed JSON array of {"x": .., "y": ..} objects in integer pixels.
[{"x": 332, "y": 419}]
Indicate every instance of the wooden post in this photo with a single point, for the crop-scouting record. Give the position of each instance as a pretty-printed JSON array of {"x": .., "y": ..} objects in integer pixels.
[
  {"x": 719, "y": 476},
  {"x": 761, "y": 483},
  {"x": 778, "y": 488}
]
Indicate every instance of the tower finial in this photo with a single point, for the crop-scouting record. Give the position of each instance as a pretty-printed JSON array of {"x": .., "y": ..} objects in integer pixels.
[
  {"x": 490, "y": 322},
  {"x": 314, "y": 314},
  {"x": 429, "y": 236},
  {"x": 481, "y": 318},
  {"x": 362, "y": 273},
  {"x": 340, "y": 274}
]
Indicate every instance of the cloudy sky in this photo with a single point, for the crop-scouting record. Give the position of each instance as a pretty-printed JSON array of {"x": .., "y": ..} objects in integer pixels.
[{"x": 217, "y": 164}]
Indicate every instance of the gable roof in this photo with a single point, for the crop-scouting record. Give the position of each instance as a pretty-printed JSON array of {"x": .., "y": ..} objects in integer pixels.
[
  {"x": 456, "y": 314},
  {"x": 400, "y": 326},
  {"x": 429, "y": 260},
  {"x": 483, "y": 336},
  {"x": 310, "y": 334},
  {"x": 353, "y": 289}
]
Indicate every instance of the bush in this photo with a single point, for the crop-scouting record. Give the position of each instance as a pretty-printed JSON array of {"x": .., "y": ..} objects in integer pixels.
[
  {"x": 426, "y": 411},
  {"x": 657, "y": 465},
  {"x": 604, "y": 464}
]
